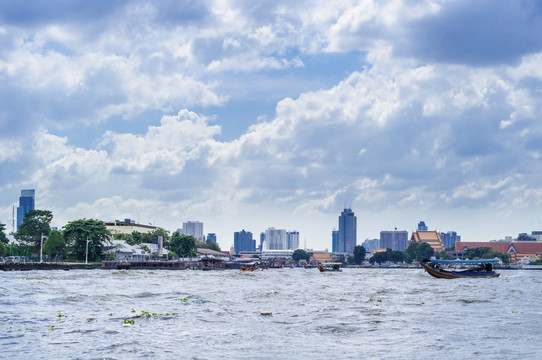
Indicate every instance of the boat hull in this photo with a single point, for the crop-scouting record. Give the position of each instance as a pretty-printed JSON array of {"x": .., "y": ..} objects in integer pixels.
[
  {"x": 326, "y": 269},
  {"x": 446, "y": 274}
]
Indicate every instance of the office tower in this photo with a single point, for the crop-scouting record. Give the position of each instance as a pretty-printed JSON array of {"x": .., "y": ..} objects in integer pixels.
[
  {"x": 194, "y": 228},
  {"x": 212, "y": 237},
  {"x": 292, "y": 240},
  {"x": 262, "y": 240},
  {"x": 450, "y": 238},
  {"x": 243, "y": 241},
  {"x": 347, "y": 231},
  {"x": 371, "y": 244},
  {"x": 275, "y": 239},
  {"x": 335, "y": 241},
  {"x": 395, "y": 240},
  {"x": 26, "y": 203},
  {"x": 422, "y": 226}
]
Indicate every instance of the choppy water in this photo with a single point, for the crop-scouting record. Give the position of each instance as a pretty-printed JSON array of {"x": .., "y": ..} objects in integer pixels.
[{"x": 359, "y": 313}]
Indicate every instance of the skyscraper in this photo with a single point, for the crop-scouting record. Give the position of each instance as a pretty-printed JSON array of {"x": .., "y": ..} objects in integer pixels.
[
  {"x": 292, "y": 240},
  {"x": 243, "y": 241},
  {"x": 212, "y": 237},
  {"x": 194, "y": 228},
  {"x": 275, "y": 239},
  {"x": 334, "y": 241},
  {"x": 347, "y": 231},
  {"x": 26, "y": 203}
]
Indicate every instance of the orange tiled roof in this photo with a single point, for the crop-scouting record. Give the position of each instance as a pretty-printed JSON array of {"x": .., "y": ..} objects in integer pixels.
[
  {"x": 501, "y": 247},
  {"x": 431, "y": 237},
  {"x": 322, "y": 257},
  {"x": 528, "y": 247}
]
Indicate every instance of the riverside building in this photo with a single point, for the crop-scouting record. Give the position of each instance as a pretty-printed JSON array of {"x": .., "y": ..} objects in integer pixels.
[
  {"x": 27, "y": 202},
  {"x": 243, "y": 241},
  {"x": 194, "y": 228},
  {"x": 395, "y": 240},
  {"x": 347, "y": 231}
]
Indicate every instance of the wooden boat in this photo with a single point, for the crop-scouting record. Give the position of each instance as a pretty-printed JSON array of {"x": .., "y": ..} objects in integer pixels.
[
  {"x": 332, "y": 267},
  {"x": 445, "y": 269}
]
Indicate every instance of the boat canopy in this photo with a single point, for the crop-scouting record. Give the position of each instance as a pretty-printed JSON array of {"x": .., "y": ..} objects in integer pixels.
[{"x": 481, "y": 261}]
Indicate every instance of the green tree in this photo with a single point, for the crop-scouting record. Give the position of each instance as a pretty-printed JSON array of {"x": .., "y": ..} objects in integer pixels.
[
  {"x": 359, "y": 254},
  {"x": 36, "y": 223},
  {"x": 3, "y": 238},
  {"x": 77, "y": 232},
  {"x": 183, "y": 245},
  {"x": 424, "y": 251},
  {"x": 410, "y": 252},
  {"x": 3, "y": 250},
  {"x": 397, "y": 256},
  {"x": 55, "y": 244},
  {"x": 300, "y": 254},
  {"x": 212, "y": 245},
  {"x": 443, "y": 255},
  {"x": 13, "y": 249},
  {"x": 380, "y": 257},
  {"x": 164, "y": 234}
]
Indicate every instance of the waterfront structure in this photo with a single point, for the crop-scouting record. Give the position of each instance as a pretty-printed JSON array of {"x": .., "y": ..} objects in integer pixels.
[
  {"x": 450, "y": 238},
  {"x": 335, "y": 241},
  {"x": 275, "y": 239},
  {"x": 212, "y": 237},
  {"x": 292, "y": 240},
  {"x": 243, "y": 241},
  {"x": 347, "y": 231},
  {"x": 194, "y": 228},
  {"x": 27, "y": 202},
  {"x": 517, "y": 251},
  {"x": 128, "y": 226},
  {"x": 320, "y": 257},
  {"x": 277, "y": 254},
  {"x": 371, "y": 244},
  {"x": 395, "y": 240},
  {"x": 431, "y": 237}
]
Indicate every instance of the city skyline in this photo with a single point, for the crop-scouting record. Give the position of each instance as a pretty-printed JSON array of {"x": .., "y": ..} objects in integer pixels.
[{"x": 248, "y": 115}]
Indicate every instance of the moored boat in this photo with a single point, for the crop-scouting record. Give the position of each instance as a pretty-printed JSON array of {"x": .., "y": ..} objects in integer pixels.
[
  {"x": 332, "y": 267},
  {"x": 447, "y": 269}
]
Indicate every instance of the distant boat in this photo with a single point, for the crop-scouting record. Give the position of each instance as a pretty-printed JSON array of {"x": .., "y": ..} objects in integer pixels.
[
  {"x": 473, "y": 268},
  {"x": 332, "y": 267}
]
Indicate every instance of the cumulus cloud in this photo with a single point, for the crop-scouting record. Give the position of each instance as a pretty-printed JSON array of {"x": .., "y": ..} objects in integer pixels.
[{"x": 439, "y": 114}]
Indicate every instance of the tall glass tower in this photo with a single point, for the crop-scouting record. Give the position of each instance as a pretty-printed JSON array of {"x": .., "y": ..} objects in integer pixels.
[
  {"x": 347, "y": 231},
  {"x": 26, "y": 203}
]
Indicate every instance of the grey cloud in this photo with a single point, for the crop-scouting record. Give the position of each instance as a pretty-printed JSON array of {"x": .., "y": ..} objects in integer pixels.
[{"x": 478, "y": 33}]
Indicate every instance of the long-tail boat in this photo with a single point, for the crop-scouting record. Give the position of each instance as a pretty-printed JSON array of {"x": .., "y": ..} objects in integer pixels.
[{"x": 452, "y": 269}]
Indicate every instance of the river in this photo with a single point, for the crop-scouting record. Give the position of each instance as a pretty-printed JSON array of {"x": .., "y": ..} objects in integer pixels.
[{"x": 270, "y": 314}]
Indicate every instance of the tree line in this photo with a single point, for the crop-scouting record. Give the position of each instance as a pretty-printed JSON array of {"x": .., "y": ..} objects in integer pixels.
[{"x": 78, "y": 236}]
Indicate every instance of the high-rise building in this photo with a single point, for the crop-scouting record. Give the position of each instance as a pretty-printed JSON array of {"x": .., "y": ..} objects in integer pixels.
[
  {"x": 335, "y": 241},
  {"x": 395, "y": 240},
  {"x": 422, "y": 226},
  {"x": 194, "y": 228},
  {"x": 371, "y": 244},
  {"x": 347, "y": 231},
  {"x": 26, "y": 203},
  {"x": 262, "y": 240},
  {"x": 243, "y": 241},
  {"x": 450, "y": 238},
  {"x": 292, "y": 240},
  {"x": 275, "y": 239},
  {"x": 212, "y": 237}
]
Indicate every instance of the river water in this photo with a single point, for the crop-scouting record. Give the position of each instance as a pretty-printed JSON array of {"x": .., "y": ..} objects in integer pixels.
[{"x": 270, "y": 314}]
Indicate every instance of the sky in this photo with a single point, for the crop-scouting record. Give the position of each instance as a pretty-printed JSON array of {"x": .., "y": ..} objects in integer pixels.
[{"x": 250, "y": 115}]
